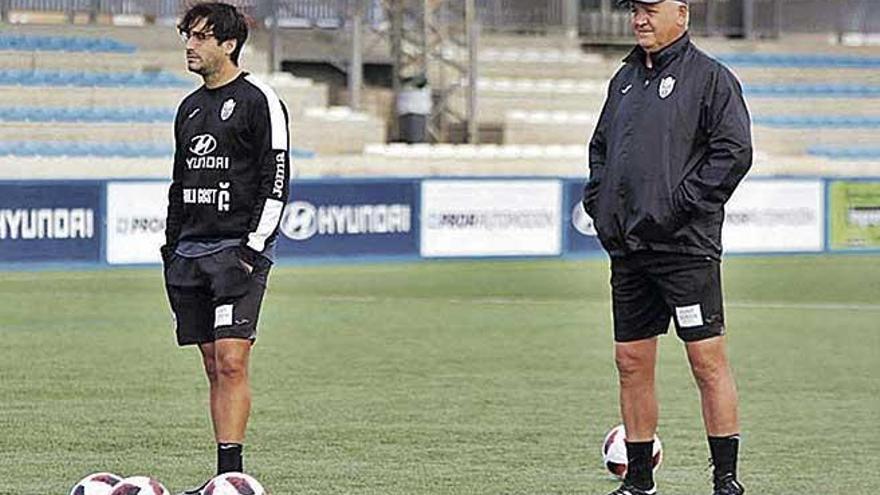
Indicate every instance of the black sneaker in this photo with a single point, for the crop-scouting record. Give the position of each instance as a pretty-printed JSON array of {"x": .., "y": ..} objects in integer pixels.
[
  {"x": 728, "y": 486},
  {"x": 195, "y": 491},
  {"x": 627, "y": 489}
]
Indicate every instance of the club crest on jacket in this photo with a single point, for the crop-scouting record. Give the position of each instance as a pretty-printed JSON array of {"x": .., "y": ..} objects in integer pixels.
[
  {"x": 227, "y": 109},
  {"x": 667, "y": 84}
]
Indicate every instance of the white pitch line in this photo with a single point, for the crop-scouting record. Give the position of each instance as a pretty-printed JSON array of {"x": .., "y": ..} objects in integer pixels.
[
  {"x": 515, "y": 301},
  {"x": 807, "y": 306}
]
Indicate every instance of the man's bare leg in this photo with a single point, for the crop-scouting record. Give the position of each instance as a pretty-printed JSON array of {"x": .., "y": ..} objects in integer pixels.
[
  {"x": 233, "y": 401},
  {"x": 711, "y": 369},
  {"x": 636, "y": 362}
]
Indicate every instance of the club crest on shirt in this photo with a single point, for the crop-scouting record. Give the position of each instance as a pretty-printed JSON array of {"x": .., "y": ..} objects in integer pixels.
[
  {"x": 667, "y": 84},
  {"x": 227, "y": 109}
]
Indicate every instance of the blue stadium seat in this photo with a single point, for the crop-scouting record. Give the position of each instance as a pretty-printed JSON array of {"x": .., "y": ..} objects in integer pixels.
[
  {"x": 15, "y": 77},
  {"x": 102, "y": 149},
  {"x": 87, "y": 114},
  {"x": 799, "y": 60},
  {"x": 814, "y": 90},
  {"x": 846, "y": 152},
  {"x": 818, "y": 121},
  {"x": 63, "y": 43},
  {"x": 301, "y": 154}
]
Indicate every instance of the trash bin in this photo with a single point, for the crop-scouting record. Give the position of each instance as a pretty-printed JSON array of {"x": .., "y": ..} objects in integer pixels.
[{"x": 414, "y": 110}]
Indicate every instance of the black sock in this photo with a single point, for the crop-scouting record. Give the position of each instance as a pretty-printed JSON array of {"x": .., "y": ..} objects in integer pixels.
[
  {"x": 639, "y": 468},
  {"x": 724, "y": 453},
  {"x": 229, "y": 458}
]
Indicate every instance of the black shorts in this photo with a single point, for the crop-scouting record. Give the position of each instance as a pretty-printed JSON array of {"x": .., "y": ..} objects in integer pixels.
[
  {"x": 650, "y": 288},
  {"x": 215, "y": 296}
]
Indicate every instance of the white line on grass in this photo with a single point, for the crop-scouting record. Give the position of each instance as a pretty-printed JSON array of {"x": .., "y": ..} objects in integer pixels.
[
  {"x": 517, "y": 301},
  {"x": 821, "y": 306}
]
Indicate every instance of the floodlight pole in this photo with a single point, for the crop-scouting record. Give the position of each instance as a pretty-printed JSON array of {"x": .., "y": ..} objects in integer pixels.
[
  {"x": 711, "y": 29},
  {"x": 473, "y": 40},
  {"x": 356, "y": 64},
  {"x": 777, "y": 19},
  {"x": 570, "y": 12},
  {"x": 748, "y": 19},
  {"x": 94, "y": 8},
  {"x": 394, "y": 10},
  {"x": 273, "y": 36}
]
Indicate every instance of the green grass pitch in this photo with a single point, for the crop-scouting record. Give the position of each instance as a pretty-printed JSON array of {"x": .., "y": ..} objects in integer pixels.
[{"x": 480, "y": 378}]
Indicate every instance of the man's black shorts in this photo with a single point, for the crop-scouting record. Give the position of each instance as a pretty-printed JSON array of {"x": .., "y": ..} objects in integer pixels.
[
  {"x": 215, "y": 296},
  {"x": 648, "y": 288}
]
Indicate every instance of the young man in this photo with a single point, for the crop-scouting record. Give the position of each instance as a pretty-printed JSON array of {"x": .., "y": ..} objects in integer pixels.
[
  {"x": 672, "y": 143},
  {"x": 230, "y": 184}
]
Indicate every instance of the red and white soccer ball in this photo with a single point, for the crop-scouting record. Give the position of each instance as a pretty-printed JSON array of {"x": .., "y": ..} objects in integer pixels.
[
  {"x": 96, "y": 484},
  {"x": 139, "y": 485},
  {"x": 234, "y": 484},
  {"x": 614, "y": 452}
]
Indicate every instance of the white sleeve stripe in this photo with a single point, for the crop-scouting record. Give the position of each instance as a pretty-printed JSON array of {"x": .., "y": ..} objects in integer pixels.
[
  {"x": 269, "y": 220},
  {"x": 277, "y": 122}
]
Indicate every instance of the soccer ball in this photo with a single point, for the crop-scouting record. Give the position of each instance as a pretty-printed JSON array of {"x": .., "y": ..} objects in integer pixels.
[
  {"x": 614, "y": 452},
  {"x": 95, "y": 484},
  {"x": 234, "y": 484},
  {"x": 139, "y": 485}
]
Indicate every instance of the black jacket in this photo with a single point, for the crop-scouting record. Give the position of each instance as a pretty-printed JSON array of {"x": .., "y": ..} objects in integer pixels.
[
  {"x": 231, "y": 165},
  {"x": 671, "y": 145}
]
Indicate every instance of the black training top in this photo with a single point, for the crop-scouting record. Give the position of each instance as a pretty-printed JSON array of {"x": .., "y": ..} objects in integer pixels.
[
  {"x": 231, "y": 165},
  {"x": 671, "y": 145}
]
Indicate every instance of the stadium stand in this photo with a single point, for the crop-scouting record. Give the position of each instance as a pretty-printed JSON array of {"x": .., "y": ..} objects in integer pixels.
[
  {"x": 63, "y": 44},
  {"x": 765, "y": 76},
  {"x": 89, "y": 79},
  {"x": 51, "y": 106},
  {"x": 101, "y": 149},
  {"x": 297, "y": 93},
  {"x": 79, "y": 147},
  {"x": 107, "y": 132},
  {"x": 818, "y": 121},
  {"x": 814, "y": 90},
  {"x": 86, "y": 114},
  {"x": 541, "y": 127},
  {"x": 798, "y": 60},
  {"x": 821, "y": 105},
  {"x": 847, "y": 152},
  {"x": 811, "y": 102}
]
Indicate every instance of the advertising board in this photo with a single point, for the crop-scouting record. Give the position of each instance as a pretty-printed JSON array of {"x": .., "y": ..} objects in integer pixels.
[
  {"x": 350, "y": 218},
  {"x": 854, "y": 215},
  {"x": 775, "y": 216},
  {"x": 50, "y": 221},
  {"x": 580, "y": 235},
  {"x": 491, "y": 218},
  {"x": 136, "y": 221}
]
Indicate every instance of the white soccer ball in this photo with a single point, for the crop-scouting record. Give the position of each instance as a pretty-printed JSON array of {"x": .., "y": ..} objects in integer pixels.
[
  {"x": 139, "y": 485},
  {"x": 614, "y": 452},
  {"x": 234, "y": 484},
  {"x": 96, "y": 484}
]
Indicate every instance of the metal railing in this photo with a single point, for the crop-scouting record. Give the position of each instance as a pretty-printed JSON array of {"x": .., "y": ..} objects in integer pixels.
[
  {"x": 752, "y": 18},
  {"x": 515, "y": 15},
  {"x": 521, "y": 15}
]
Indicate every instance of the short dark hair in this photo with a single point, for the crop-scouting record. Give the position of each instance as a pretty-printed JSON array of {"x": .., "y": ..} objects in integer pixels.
[{"x": 223, "y": 19}]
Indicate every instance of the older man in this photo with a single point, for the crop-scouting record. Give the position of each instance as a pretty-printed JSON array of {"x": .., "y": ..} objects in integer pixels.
[{"x": 671, "y": 145}]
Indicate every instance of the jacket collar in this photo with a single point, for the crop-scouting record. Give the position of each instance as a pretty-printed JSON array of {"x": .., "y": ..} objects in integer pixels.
[{"x": 664, "y": 56}]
